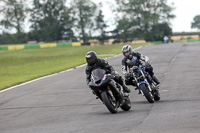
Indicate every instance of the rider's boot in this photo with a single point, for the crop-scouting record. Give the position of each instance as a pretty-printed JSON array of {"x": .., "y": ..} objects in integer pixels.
[
  {"x": 120, "y": 80},
  {"x": 126, "y": 89},
  {"x": 155, "y": 79}
]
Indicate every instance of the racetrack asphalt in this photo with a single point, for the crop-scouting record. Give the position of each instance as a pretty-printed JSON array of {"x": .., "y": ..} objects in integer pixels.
[{"x": 63, "y": 103}]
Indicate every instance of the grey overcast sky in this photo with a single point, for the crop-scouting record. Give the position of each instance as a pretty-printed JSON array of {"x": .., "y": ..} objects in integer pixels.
[{"x": 185, "y": 11}]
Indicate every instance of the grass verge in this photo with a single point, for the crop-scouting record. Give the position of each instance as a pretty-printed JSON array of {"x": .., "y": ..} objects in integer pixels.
[{"x": 24, "y": 65}]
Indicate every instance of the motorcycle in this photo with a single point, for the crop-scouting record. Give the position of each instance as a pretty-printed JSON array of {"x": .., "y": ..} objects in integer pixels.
[
  {"x": 108, "y": 91},
  {"x": 143, "y": 81}
]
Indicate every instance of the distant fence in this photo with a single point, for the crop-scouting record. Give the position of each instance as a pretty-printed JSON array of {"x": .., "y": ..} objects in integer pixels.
[
  {"x": 193, "y": 40},
  {"x": 51, "y": 45},
  {"x": 43, "y": 45},
  {"x": 157, "y": 42}
]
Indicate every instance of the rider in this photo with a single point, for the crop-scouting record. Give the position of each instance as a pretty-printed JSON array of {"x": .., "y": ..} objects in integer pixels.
[
  {"x": 129, "y": 54},
  {"x": 93, "y": 62}
]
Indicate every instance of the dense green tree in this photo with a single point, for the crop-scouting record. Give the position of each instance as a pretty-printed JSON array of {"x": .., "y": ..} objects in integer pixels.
[
  {"x": 16, "y": 38},
  {"x": 124, "y": 29},
  {"x": 14, "y": 14},
  {"x": 86, "y": 11},
  {"x": 158, "y": 31},
  {"x": 196, "y": 22},
  {"x": 142, "y": 15},
  {"x": 51, "y": 21},
  {"x": 6, "y": 38},
  {"x": 101, "y": 27}
]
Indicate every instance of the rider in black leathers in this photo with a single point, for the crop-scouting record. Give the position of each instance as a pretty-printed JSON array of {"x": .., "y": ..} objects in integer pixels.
[
  {"x": 93, "y": 62},
  {"x": 129, "y": 54}
]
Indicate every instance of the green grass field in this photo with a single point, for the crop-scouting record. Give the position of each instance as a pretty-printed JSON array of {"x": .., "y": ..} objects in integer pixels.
[{"x": 23, "y": 65}]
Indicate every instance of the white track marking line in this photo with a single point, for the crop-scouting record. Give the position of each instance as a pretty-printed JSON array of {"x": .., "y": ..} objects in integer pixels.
[
  {"x": 173, "y": 60},
  {"x": 10, "y": 88},
  {"x": 164, "y": 90},
  {"x": 171, "y": 63}
]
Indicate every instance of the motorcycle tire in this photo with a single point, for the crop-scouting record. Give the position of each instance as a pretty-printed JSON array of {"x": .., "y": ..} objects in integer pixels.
[
  {"x": 109, "y": 104},
  {"x": 146, "y": 93}
]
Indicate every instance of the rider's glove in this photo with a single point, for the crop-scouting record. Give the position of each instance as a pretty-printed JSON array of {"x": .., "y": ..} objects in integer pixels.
[
  {"x": 111, "y": 76},
  {"x": 147, "y": 63},
  {"x": 113, "y": 72}
]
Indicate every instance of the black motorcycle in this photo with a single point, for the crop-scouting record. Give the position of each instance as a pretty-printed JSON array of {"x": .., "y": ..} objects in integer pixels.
[
  {"x": 143, "y": 81},
  {"x": 108, "y": 91}
]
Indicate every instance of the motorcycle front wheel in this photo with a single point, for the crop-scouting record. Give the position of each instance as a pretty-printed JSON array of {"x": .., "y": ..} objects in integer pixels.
[
  {"x": 110, "y": 104},
  {"x": 146, "y": 93}
]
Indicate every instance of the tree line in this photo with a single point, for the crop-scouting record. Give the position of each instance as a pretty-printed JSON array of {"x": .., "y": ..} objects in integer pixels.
[
  {"x": 74, "y": 20},
  {"x": 196, "y": 24}
]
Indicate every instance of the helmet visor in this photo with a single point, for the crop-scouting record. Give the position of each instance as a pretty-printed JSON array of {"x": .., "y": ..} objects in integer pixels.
[
  {"x": 90, "y": 60},
  {"x": 127, "y": 53}
]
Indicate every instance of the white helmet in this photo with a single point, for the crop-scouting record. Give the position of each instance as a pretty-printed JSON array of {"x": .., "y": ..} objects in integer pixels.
[{"x": 126, "y": 48}]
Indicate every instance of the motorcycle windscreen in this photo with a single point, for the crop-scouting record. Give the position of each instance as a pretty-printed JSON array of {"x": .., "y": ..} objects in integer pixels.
[{"x": 98, "y": 74}]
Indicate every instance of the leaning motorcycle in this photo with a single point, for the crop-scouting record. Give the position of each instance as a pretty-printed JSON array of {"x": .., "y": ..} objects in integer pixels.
[
  {"x": 108, "y": 91},
  {"x": 143, "y": 81}
]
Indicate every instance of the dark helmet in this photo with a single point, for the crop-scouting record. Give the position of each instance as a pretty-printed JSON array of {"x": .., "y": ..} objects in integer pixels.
[
  {"x": 91, "y": 58},
  {"x": 125, "y": 49}
]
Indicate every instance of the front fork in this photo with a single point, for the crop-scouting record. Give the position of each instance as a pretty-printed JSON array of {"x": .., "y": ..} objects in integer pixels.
[
  {"x": 111, "y": 94},
  {"x": 144, "y": 82},
  {"x": 120, "y": 96}
]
